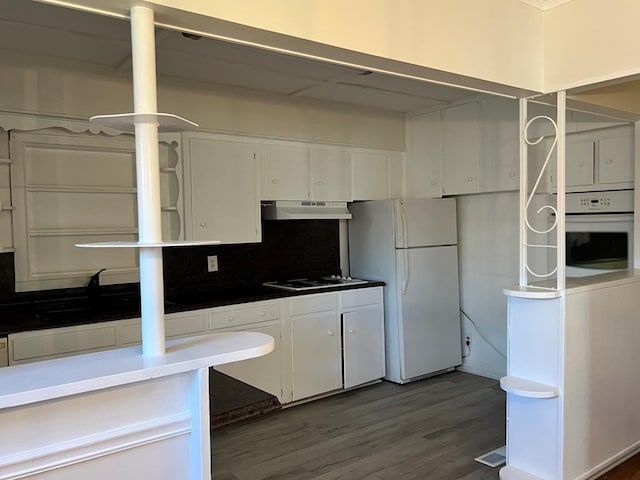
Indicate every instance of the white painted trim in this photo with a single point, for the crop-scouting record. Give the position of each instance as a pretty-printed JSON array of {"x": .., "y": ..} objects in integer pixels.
[
  {"x": 29, "y": 122},
  {"x": 545, "y": 5},
  {"x": 82, "y": 449},
  {"x": 481, "y": 372}
]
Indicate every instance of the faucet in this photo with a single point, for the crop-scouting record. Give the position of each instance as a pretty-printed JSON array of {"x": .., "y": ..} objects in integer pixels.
[{"x": 93, "y": 287}]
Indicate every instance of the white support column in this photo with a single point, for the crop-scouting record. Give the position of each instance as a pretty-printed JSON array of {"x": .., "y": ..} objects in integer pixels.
[
  {"x": 560, "y": 175},
  {"x": 636, "y": 202},
  {"x": 148, "y": 181},
  {"x": 523, "y": 192}
]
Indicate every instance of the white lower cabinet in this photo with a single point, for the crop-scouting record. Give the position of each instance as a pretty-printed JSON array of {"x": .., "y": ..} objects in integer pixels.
[
  {"x": 324, "y": 342},
  {"x": 26, "y": 347},
  {"x": 363, "y": 346},
  {"x": 4, "y": 355},
  {"x": 315, "y": 354}
]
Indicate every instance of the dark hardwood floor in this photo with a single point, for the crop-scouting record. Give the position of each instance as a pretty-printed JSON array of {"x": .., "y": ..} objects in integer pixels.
[
  {"x": 629, "y": 470},
  {"x": 431, "y": 429}
]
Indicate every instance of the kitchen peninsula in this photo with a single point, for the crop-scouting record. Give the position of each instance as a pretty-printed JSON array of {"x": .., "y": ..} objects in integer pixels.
[{"x": 571, "y": 390}]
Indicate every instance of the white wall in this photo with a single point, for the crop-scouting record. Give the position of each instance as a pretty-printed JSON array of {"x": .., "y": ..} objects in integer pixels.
[
  {"x": 488, "y": 255},
  {"x": 78, "y": 91},
  {"x": 588, "y": 41}
]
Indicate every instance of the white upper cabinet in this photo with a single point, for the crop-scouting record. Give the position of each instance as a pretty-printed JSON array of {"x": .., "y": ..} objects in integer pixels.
[
  {"x": 329, "y": 174},
  {"x": 286, "y": 172},
  {"x": 424, "y": 140},
  {"x": 370, "y": 173},
  {"x": 461, "y": 152},
  {"x": 221, "y": 189},
  {"x": 597, "y": 160},
  {"x": 615, "y": 160},
  {"x": 499, "y": 145}
]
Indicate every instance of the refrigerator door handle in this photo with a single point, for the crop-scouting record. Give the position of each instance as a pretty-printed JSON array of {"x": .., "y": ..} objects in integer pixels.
[
  {"x": 401, "y": 242},
  {"x": 405, "y": 272}
]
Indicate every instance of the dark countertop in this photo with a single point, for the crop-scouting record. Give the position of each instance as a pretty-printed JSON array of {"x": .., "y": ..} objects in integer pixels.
[{"x": 35, "y": 312}]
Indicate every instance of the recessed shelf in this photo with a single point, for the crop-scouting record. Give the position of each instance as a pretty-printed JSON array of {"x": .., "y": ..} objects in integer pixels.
[
  {"x": 513, "y": 473},
  {"x": 174, "y": 243},
  {"x": 168, "y": 170},
  {"x": 527, "y": 388},
  {"x": 167, "y": 122},
  {"x": 169, "y": 209}
]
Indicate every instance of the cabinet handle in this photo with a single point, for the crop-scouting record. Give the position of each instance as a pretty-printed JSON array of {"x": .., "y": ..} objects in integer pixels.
[
  {"x": 512, "y": 174},
  {"x": 469, "y": 179},
  {"x": 330, "y": 333},
  {"x": 351, "y": 330},
  {"x": 203, "y": 224},
  {"x": 262, "y": 313},
  {"x": 433, "y": 182},
  {"x": 320, "y": 182},
  {"x": 274, "y": 181},
  {"x": 608, "y": 161},
  {"x": 230, "y": 318}
]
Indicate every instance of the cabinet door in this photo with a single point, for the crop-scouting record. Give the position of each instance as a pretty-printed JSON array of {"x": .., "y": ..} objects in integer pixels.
[
  {"x": 286, "y": 170},
  {"x": 579, "y": 163},
  {"x": 223, "y": 190},
  {"x": 329, "y": 175},
  {"x": 615, "y": 160},
  {"x": 369, "y": 176},
  {"x": 266, "y": 372},
  {"x": 315, "y": 352},
  {"x": 363, "y": 346},
  {"x": 499, "y": 145},
  {"x": 460, "y": 163},
  {"x": 425, "y": 152}
]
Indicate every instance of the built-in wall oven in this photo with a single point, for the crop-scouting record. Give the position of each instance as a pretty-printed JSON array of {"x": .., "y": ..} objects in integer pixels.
[{"x": 599, "y": 232}]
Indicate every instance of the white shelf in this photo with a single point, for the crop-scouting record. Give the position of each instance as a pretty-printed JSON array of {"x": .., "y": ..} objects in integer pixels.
[
  {"x": 167, "y": 122},
  {"x": 168, "y": 170},
  {"x": 539, "y": 293},
  {"x": 7, "y": 207},
  {"x": 513, "y": 473},
  {"x": 174, "y": 243},
  {"x": 169, "y": 209},
  {"x": 5, "y": 161},
  {"x": 526, "y": 388}
]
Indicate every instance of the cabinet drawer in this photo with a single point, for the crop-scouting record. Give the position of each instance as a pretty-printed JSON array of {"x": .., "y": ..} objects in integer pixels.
[
  {"x": 175, "y": 326},
  {"x": 243, "y": 316},
  {"x": 365, "y": 296},
  {"x": 313, "y": 303},
  {"x": 60, "y": 342}
]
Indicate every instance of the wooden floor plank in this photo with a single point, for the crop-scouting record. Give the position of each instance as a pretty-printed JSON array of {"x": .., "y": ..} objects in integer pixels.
[{"x": 432, "y": 429}]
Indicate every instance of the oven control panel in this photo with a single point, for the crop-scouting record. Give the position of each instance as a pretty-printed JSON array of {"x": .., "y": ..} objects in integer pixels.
[{"x": 608, "y": 201}]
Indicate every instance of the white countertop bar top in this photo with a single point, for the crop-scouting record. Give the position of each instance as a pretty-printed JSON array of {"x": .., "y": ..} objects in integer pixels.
[
  {"x": 61, "y": 377},
  {"x": 545, "y": 290}
]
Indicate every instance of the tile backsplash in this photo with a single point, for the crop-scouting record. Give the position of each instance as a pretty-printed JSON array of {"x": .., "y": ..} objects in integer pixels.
[{"x": 289, "y": 249}]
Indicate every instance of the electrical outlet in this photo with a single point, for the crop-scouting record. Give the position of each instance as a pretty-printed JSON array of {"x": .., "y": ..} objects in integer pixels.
[
  {"x": 467, "y": 340},
  {"x": 212, "y": 263}
]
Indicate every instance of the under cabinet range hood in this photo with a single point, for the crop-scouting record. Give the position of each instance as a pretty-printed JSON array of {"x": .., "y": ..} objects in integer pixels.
[{"x": 304, "y": 210}]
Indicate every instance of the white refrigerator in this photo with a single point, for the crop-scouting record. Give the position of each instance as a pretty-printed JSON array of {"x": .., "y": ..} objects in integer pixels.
[{"x": 411, "y": 245}]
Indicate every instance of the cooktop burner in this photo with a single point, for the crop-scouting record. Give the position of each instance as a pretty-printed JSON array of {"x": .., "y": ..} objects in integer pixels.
[{"x": 300, "y": 284}]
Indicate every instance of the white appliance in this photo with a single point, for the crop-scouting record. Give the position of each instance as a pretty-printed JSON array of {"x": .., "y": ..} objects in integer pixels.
[
  {"x": 599, "y": 232},
  {"x": 411, "y": 245},
  {"x": 304, "y": 210}
]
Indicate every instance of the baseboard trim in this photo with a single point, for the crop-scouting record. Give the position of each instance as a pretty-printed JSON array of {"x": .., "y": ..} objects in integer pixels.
[{"x": 480, "y": 372}]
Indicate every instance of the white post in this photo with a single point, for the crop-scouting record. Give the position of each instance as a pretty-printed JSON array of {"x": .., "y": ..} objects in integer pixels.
[
  {"x": 523, "y": 192},
  {"x": 560, "y": 175},
  {"x": 148, "y": 181}
]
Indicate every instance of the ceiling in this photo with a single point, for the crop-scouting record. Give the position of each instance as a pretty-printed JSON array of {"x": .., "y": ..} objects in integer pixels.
[{"x": 36, "y": 32}]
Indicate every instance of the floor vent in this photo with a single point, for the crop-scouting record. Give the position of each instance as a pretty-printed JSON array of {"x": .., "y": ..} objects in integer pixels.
[{"x": 494, "y": 458}]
